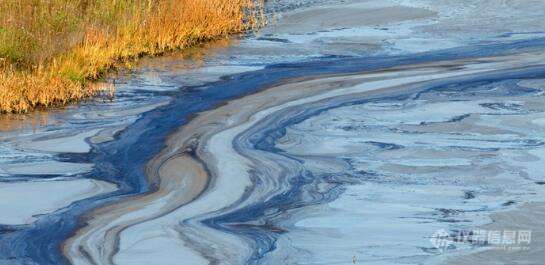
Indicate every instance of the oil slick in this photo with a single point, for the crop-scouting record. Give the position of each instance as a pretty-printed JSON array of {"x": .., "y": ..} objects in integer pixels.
[{"x": 356, "y": 149}]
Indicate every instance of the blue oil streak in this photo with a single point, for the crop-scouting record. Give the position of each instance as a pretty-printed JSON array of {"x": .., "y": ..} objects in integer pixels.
[
  {"x": 122, "y": 161},
  {"x": 266, "y": 212}
]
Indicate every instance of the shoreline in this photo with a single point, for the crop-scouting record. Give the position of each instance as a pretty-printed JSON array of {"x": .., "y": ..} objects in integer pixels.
[
  {"x": 46, "y": 74},
  {"x": 313, "y": 183}
]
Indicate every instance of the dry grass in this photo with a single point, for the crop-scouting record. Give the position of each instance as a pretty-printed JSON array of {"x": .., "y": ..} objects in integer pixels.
[{"x": 50, "y": 50}]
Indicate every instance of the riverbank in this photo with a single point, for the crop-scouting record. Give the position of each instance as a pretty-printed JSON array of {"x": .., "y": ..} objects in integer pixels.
[
  {"x": 351, "y": 142},
  {"x": 52, "y": 51}
]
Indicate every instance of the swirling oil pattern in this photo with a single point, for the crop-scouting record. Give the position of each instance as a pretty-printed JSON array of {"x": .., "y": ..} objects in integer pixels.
[{"x": 377, "y": 132}]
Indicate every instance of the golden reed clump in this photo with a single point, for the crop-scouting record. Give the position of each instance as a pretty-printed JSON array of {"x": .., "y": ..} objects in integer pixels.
[{"x": 50, "y": 50}]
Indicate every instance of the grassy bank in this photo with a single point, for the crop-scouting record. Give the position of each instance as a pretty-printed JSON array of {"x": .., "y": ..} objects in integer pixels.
[{"x": 52, "y": 50}]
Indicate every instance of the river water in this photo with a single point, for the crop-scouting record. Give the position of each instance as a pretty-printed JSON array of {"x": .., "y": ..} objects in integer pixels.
[{"x": 344, "y": 132}]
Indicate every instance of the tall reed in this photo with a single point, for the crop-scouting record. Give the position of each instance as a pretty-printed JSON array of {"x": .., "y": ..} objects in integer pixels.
[{"x": 52, "y": 50}]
